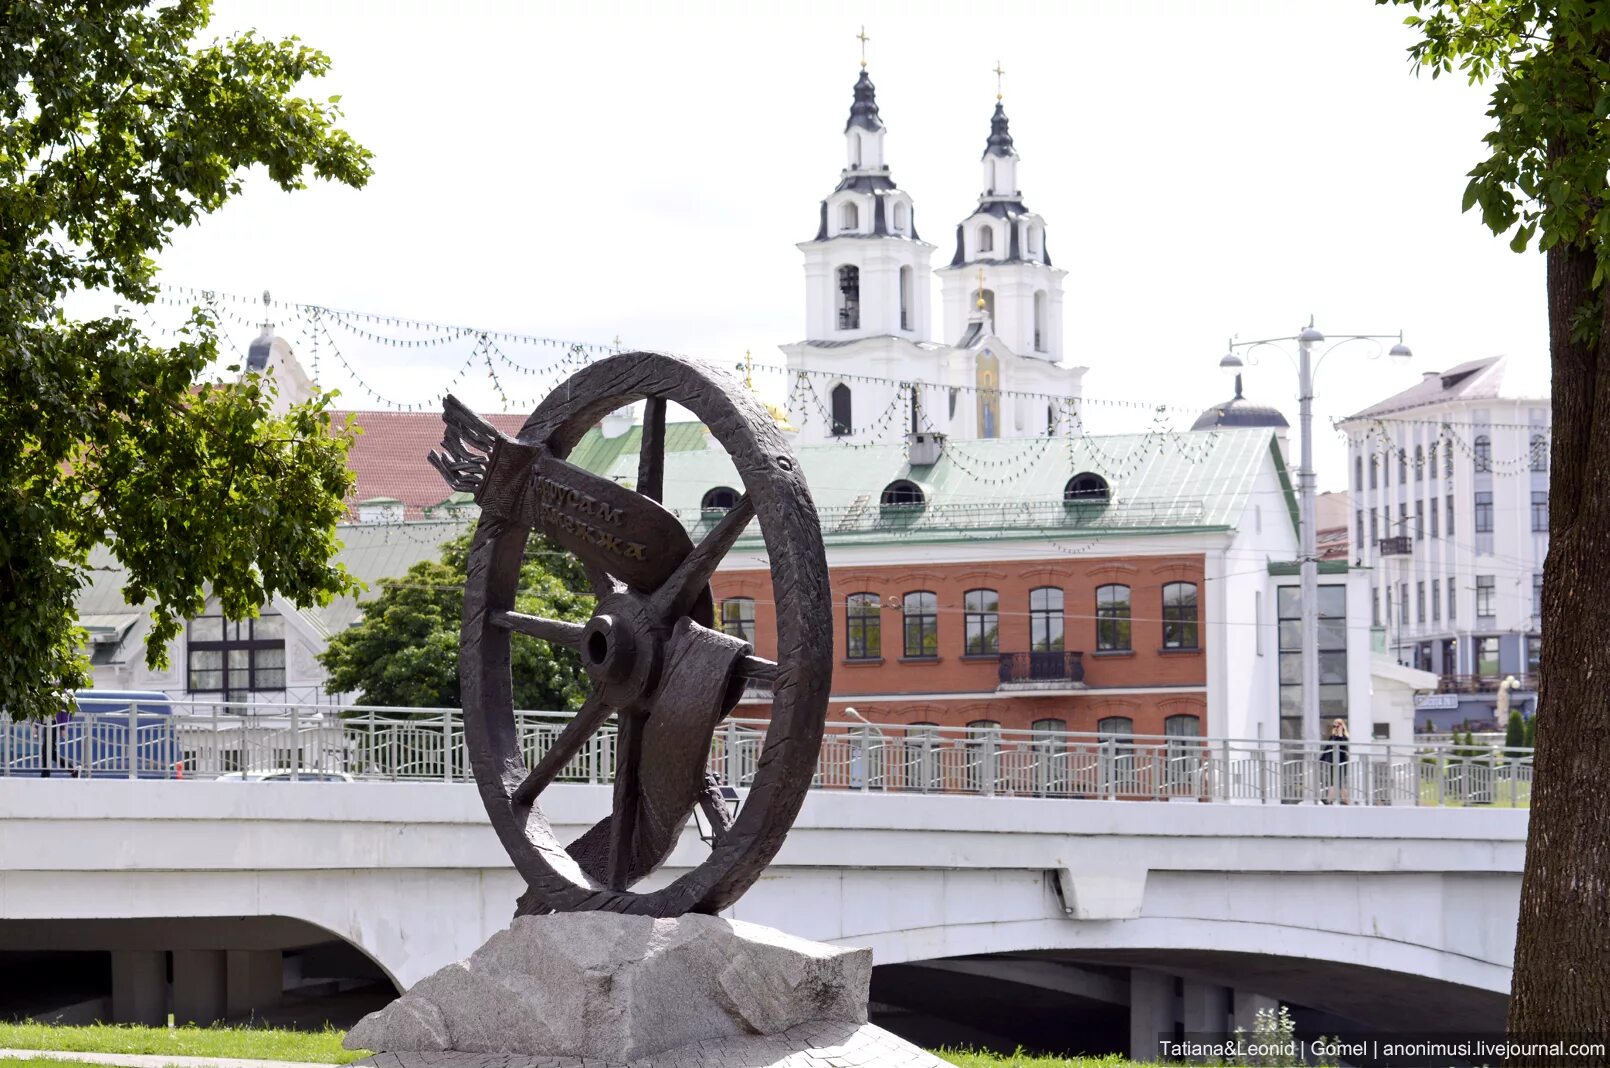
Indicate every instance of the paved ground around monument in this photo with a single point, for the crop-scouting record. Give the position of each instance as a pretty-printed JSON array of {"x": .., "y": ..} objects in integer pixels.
[
  {"x": 143, "y": 1060},
  {"x": 814, "y": 1045}
]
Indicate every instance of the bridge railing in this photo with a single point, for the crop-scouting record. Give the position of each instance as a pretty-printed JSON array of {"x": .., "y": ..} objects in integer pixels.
[{"x": 211, "y": 740}]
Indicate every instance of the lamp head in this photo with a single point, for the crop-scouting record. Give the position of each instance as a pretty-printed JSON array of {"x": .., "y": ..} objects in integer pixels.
[
  {"x": 1400, "y": 353},
  {"x": 1231, "y": 364},
  {"x": 1310, "y": 335}
]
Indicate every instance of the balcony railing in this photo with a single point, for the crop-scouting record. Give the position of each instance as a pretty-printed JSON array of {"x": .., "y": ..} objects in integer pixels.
[
  {"x": 1401, "y": 545},
  {"x": 207, "y": 741},
  {"x": 1058, "y": 666},
  {"x": 1482, "y": 683}
]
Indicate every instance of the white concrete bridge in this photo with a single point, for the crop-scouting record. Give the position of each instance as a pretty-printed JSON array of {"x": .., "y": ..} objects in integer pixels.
[{"x": 1188, "y": 913}]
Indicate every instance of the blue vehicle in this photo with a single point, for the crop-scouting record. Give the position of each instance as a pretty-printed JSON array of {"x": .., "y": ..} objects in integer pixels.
[{"x": 113, "y": 734}]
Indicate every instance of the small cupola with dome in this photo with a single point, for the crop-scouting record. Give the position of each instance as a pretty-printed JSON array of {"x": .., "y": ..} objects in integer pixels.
[
  {"x": 1005, "y": 236},
  {"x": 1238, "y": 412},
  {"x": 864, "y": 267}
]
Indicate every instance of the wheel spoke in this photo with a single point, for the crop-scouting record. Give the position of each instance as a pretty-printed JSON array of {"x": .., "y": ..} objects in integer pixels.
[
  {"x": 549, "y": 630},
  {"x": 587, "y": 720},
  {"x": 757, "y": 667},
  {"x": 681, "y": 591},
  {"x": 651, "y": 452},
  {"x": 623, "y": 823}
]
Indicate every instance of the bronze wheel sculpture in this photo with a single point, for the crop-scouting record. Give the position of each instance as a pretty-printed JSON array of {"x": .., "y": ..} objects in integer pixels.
[{"x": 655, "y": 662}]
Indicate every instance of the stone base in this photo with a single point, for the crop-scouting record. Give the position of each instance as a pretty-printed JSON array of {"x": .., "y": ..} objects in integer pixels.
[
  {"x": 816, "y": 1045},
  {"x": 619, "y": 989}
]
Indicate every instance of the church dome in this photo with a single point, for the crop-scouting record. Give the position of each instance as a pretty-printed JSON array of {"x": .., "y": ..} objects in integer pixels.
[{"x": 1239, "y": 412}]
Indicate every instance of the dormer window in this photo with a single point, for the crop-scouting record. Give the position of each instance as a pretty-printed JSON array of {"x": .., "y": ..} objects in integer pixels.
[
  {"x": 1087, "y": 487},
  {"x": 1034, "y": 240},
  {"x": 722, "y": 499},
  {"x": 986, "y": 239},
  {"x": 849, "y": 216},
  {"x": 902, "y": 493},
  {"x": 899, "y": 217}
]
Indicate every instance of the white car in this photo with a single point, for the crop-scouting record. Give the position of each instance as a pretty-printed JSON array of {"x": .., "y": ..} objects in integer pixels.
[{"x": 285, "y": 775}]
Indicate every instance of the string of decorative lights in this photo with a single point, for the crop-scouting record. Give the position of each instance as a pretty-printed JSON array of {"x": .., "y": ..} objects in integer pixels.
[
  {"x": 222, "y": 298},
  {"x": 868, "y": 435},
  {"x": 1380, "y": 442}
]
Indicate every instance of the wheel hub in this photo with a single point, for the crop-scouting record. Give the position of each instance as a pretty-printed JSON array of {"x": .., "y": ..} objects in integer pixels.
[{"x": 622, "y": 648}]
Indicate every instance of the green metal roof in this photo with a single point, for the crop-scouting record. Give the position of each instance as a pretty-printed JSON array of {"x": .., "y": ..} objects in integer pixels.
[
  {"x": 1326, "y": 567},
  {"x": 598, "y": 453},
  {"x": 1002, "y": 488}
]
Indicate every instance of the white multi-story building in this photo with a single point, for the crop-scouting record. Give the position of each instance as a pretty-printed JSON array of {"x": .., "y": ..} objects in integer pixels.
[
  {"x": 868, "y": 322},
  {"x": 1450, "y": 484}
]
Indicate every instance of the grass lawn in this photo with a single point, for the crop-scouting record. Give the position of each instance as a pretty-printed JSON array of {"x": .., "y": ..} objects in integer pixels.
[
  {"x": 324, "y": 1047},
  {"x": 965, "y": 1058},
  {"x": 264, "y": 1044}
]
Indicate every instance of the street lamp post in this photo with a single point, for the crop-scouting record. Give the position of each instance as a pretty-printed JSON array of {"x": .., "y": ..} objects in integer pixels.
[{"x": 1308, "y": 537}]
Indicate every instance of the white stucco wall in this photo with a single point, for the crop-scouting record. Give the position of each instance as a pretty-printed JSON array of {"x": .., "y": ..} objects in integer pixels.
[{"x": 412, "y": 873}]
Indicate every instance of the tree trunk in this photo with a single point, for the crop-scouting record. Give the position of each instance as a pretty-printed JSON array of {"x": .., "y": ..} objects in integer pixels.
[{"x": 1562, "y": 949}]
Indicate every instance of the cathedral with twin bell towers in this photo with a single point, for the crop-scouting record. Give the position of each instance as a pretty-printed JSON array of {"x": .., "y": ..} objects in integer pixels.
[{"x": 868, "y": 321}]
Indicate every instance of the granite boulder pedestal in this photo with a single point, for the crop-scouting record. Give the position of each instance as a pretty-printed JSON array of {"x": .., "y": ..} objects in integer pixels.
[{"x": 611, "y": 989}]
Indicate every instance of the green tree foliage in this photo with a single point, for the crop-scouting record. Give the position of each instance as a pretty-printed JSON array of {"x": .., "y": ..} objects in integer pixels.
[
  {"x": 1543, "y": 183},
  {"x": 405, "y": 649},
  {"x": 1515, "y": 730},
  {"x": 116, "y": 128}
]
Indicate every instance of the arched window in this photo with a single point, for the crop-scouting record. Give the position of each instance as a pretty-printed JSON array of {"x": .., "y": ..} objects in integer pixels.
[
  {"x": 1358, "y": 472},
  {"x": 1540, "y": 453},
  {"x": 902, "y": 493},
  {"x": 1045, "y": 619},
  {"x": 1183, "y": 770},
  {"x": 989, "y": 177},
  {"x": 720, "y": 499},
  {"x": 1042, "y": 320},
  {"x": 1050, "y": 421},
  {"x": 1403, "y": 466},
  {"x": 849, "y": 216},
  {"x": 1431, "y": 460},
  {"x": 1049, "y": 726},
  {"x": 981, "y": 620},
  {"x": 863, "y": 627},
  {"x": 921, "y": 609},
  {"x": 849, "y": 297},
  {"x": 1183, "y": 726},
  {"x": 1112, "y": 619},
  {"x": 900, "y": 216},
  {"x": 1375, "y": 471},
  {"x": 1118, "y": 753},
  {"x": 1419, "y": 462},
  {"x": 842, "y": 423},
  {"x": 1033, "y": 238},
  {"x": 906, "y": 297},
  {"x": 1484, "y": 453},
  {"x": 986, "y": 238},
  {"x": 1447, "y": 459},
  {"x": 1086, "y": 487},
  {"x": 855, "y": 149},
  {"x": 1179, "y": 616},
  {"x": 738, "y": 617}
]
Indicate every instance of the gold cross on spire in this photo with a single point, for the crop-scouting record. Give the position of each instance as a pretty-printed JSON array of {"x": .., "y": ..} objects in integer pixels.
[
  {"x": 863, "y": 38},
  {"x": 981, "y": 289},
  {"x": 998, "y": 73}
]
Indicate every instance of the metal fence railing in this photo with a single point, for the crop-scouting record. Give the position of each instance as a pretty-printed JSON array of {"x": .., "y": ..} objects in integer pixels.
[{"x": 201, "y": 740}]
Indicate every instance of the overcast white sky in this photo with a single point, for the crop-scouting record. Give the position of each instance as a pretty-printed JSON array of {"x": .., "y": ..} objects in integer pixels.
[{"x": 1205, "y": 169}]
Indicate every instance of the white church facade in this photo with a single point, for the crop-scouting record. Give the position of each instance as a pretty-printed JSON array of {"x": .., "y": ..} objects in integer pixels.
[{"x": 870, "y": 356}]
